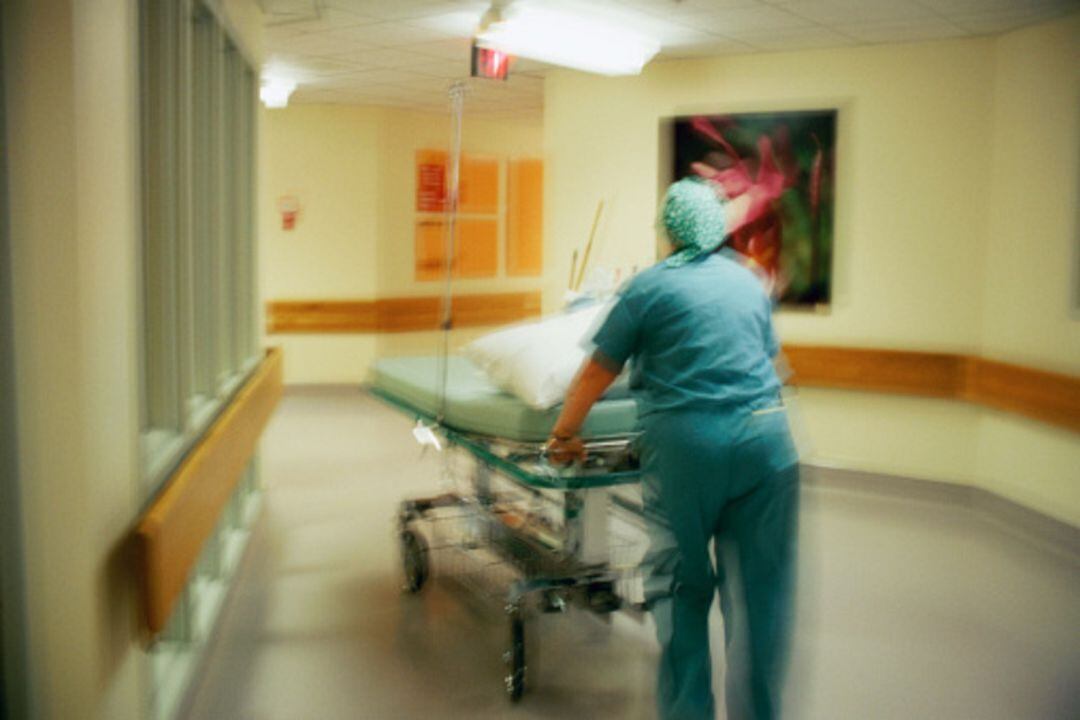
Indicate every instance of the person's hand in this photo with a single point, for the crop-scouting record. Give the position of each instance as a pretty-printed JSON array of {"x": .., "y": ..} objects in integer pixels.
[{"x": 565, "y": 450}]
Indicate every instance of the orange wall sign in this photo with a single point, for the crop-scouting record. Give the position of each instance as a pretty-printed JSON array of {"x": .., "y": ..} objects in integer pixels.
[
  {"x": 525, "y": 218},
  {"x": 476, "y": 248},
  {"x": 480, "y": 204},
  {"x": 478, "y": 186},
  {"x": 430, "y": 256},
  {"x": 479, "y": 189}
]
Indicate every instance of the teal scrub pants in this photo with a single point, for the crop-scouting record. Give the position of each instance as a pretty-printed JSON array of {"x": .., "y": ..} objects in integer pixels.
[{"x": 730, "y": 478}]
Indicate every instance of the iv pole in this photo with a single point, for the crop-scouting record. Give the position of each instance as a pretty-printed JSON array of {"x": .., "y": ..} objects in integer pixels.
[{"x": 457, "y": 106}]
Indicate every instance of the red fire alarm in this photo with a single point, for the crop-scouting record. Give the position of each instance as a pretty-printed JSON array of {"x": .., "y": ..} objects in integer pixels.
[{"x": 289, "y": 207}]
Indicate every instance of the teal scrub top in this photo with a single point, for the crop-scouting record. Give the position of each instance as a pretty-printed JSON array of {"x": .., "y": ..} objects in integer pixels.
[{"x": 700, "y": 337}]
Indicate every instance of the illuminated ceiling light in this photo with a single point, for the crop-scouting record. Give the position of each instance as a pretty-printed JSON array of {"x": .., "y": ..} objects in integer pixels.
[
  {"x": 564, "y": 38},
  {"x": 275, "y": 92}
]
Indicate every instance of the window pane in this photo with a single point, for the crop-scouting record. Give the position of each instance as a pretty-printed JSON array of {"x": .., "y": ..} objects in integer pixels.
[
  {"x": 250, "y": 329},
  {"x": 203, "y": 208},
  {"x": 158, "y": 41},
  {"x": 221, "y": 200}
]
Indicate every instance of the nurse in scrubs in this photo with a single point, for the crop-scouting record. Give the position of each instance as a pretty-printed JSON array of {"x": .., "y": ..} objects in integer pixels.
[{"x": 721, "y": 477}]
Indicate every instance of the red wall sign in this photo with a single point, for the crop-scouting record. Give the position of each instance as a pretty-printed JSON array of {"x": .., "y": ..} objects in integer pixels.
[{"x": 430, "y": 187}]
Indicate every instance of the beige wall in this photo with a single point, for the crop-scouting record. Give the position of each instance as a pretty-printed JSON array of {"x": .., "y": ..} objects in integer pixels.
[
  {"x": 911, "y": 161},
  {"x": 1032, "y": 232},
  {"x": 1032, "y": 256},
  {"x": 73, "y": 229},
  {"x": 937, "y": 245},
  {"x": 71, "y": 105},
  {"x": 353, "y": 169},
  {"x": 326, "y": 156}
]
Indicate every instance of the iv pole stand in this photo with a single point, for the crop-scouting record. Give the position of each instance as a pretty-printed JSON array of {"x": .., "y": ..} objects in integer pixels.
[{"x": 457, "y": 106}]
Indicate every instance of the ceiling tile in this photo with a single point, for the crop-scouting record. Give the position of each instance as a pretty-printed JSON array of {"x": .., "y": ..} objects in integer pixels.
[
  {"x": 451, "y": 48},
  {"x": 272, "y": 35},
  {"x": 901, "y": 32},
  {"x": 317, "y": 43},
  {"x": 686, "y": 36},
  {"x": 461, "y": 21},
  {"x": 324, "y": 19},
  {"x": 731, "y": 22},
  {"x": 791, "y": 39},
  {"x": 444, "y": 68},
  {"x": 339, "y": 83},
  {"x": 431, "y": 85},
  {"x": 384, "y": 58},
  {"x": 997, "y": 22},
  {"x": 310, "y": 65},
  {"x": 388, "y": 34},
  {"x": 979, "y": 7},
  {"x": 387, "y": 76},
  {"x": 832, "y": 12},
  {"x": 717, "y": 46},
  {"x": 393, "y": 9}
]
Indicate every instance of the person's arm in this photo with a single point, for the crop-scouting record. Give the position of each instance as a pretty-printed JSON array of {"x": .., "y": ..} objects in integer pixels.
[{"x": 592, "y": 380}]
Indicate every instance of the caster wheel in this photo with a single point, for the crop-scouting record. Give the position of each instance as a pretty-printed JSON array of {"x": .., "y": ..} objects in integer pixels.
[
  {"x": 515, "y": 659},
  {"x": 414, "y": 556},
  {"x": 602, "y": 599}
]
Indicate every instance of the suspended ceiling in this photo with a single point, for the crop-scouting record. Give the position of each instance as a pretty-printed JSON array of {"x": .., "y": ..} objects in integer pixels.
[{"x": 405, "y": 53}]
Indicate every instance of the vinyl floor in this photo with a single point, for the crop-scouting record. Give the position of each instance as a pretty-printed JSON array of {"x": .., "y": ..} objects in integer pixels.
[{"x": 907, "y": 608}]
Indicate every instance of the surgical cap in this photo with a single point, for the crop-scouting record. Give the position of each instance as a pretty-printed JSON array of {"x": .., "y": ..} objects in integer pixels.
[{"x": 693, "y": 217}]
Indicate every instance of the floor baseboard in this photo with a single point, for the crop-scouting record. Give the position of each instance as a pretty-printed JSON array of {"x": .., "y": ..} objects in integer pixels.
[{"x": 1031, "y": 524}]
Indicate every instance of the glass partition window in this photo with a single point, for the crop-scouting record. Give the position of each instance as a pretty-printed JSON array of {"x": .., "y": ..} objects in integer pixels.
[{"x": 197, "y": 104}]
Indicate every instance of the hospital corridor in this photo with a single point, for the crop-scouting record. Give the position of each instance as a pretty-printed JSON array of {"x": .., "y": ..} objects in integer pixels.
[
  {"x": 674, "y": 359},
  {"x": 909, "y": 609}
]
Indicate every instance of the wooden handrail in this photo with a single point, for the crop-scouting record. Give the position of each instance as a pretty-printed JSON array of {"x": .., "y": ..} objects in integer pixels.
[
  {"x": 1039, "y": 394},
  {"x": 1050, "y": 397},
  {"x": 171, "y": 533},
  {"x": 402, "y": 314},
  {"x": 891, "y": 371},
  {"x": 1047, "y": 396}
]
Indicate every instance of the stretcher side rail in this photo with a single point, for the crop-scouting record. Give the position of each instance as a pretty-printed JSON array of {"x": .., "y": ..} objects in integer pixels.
[{"x": 531, "y": 471}]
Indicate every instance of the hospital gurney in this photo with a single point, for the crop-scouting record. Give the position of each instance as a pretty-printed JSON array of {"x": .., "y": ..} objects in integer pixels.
[{"x": 515, "y": 529}]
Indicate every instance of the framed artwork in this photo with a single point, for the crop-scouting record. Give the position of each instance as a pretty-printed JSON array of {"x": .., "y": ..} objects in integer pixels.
[{"x": 791, "y": 239}]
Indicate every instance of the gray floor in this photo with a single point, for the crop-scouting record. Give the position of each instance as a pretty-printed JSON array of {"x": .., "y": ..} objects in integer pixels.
[{"x": 907, "y": 609}]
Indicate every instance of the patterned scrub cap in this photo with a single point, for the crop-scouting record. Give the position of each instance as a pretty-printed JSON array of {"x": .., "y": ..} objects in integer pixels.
[{"x": 693, "y": 217}]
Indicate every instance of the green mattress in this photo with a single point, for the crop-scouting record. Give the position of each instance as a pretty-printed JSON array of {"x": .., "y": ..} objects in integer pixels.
[{"x": 474, "y": 405}]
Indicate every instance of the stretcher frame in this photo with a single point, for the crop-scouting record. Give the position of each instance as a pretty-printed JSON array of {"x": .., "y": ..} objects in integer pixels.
[{"x": 489, "y": 536}]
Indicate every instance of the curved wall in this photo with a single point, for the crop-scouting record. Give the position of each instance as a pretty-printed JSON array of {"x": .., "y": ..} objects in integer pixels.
[{"x": 956, "y": 210}]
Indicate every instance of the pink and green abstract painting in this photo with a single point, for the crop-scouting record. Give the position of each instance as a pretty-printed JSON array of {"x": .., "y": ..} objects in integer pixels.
[{"x": 793, "y": 156}]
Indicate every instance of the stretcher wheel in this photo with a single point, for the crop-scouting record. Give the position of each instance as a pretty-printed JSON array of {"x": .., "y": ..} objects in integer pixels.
[
  {"x": 515, "y": 658},
  {"x": 602, "y": 598},
  {"x": 414, "y": 556}
]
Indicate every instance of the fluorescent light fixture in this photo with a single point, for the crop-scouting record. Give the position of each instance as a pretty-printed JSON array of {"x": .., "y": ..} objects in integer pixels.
[
  {"x": 275, "y": 92},
  {"x": 561, "y": 37}
]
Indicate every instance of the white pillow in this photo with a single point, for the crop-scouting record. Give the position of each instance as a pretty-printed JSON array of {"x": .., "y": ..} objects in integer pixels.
[{"x": 537, "y": 361}]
